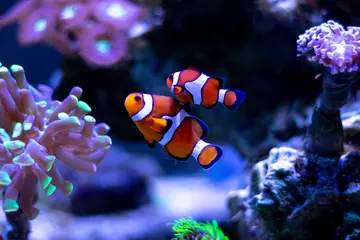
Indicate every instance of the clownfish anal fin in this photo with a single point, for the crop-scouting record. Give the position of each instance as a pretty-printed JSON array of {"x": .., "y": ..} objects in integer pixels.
[
  {"x": 204, "y": 129},
  {"x": 220, "y": 81},
  {"x": 150, "y": 142},
  {"x": 180, "y": 159},
  {"x": 185, "y": 106},
  {"x": 160, "y": 125}
]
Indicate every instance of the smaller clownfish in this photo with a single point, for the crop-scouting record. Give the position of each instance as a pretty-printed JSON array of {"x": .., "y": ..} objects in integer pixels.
[
  {"x": 162, "y": 120},
  {"x": 191, "y": 86}
]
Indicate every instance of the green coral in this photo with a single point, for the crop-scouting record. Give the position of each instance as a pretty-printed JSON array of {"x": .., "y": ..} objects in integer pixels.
[{"x": 189, "y": 229}]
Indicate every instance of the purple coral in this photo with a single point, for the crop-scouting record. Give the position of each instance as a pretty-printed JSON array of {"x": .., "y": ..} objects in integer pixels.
[
  {"x": 72, "y": 26},
  {"x": 35, "y": 131},
  {"x": 333, "y": 46}
]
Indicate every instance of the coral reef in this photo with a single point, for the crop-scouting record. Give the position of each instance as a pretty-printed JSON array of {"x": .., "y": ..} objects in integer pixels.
[
  {"x": 192, "y": 230},
  {"x": 297, "y": 193},
  {"x": 35, "y": 131},
  {"x": 292, "y": 195},
  {"x": 98, "y": 31}
]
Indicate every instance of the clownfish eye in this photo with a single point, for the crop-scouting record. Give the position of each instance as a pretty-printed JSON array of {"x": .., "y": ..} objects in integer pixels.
[
  {"x": 178, "y": 89},
  {"x": 137, "y": 98}
]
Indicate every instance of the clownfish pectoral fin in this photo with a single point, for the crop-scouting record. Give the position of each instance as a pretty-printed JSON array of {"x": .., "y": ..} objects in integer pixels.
[
  {"x": 207, "y": 154},
  {"x": 151, "y": 142},
  {"x": 231, "y": 98},
  {"x": 160, "y": 125},
  {"x": 220, "y": 81},
  {"x": 204, "y": 129}
]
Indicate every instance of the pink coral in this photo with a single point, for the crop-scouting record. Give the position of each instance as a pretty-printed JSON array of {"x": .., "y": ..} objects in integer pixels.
[
  {"x": 35, "y": 131},
  {"x": 331, "y": 45},
  {"x": 100, "y": 46},
  {"x": 118, "y": 14},
  {"x": 72, "y": 26}
]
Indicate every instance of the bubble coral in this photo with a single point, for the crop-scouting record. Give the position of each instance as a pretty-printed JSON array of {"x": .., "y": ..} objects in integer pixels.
[
  {"x": 35, "y": 131},
  {"x": 97, "y": 30},
  {"x": 331, "y": 45}
]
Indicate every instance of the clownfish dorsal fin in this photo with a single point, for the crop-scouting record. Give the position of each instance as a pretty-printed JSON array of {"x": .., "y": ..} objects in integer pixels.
[
  {"x": 203, "y": 126},
  {"x": 220, "y": 80},
  {"x": 193, "y": 68}
]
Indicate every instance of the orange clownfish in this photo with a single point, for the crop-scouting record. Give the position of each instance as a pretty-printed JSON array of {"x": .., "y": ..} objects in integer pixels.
[
  {"x": 162, "y": 120},
  {"x": 191, "y": 86}
]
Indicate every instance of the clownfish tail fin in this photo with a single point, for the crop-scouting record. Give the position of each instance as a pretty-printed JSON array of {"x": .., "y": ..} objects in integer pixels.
[
  {"x": 231, "y": 98},
  {"x": 207, "y": 154}
]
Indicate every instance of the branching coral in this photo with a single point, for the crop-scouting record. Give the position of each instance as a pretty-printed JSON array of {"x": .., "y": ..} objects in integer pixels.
[
  {"x": 35, "y": 131},
  {"x": 97, "y": 30},
  {"x": 191, "y": 229}
]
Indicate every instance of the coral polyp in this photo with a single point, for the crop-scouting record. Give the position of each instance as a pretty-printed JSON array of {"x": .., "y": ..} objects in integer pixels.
[
  {"x": 72, "y": 26},
  {"x": 331, "y": 45},
  {"x": 35, "y": 131}
]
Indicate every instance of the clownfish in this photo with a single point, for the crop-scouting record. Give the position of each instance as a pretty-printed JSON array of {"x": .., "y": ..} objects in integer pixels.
[
  {"x": 191, "y": 86},
  {"x": 162, "y": 120}
]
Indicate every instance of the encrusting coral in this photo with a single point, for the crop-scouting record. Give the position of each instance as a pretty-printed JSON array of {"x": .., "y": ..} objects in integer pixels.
[
  {"x": 35, "y": 131},
  {"x": 298, "y": 193},
  {"x": 96, "y": 30}
]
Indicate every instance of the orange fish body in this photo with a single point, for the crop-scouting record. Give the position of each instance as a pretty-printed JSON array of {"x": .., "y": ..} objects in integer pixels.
[
  {"x": 191, "y": 86},
  {"x": 162, "y": 120}
]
